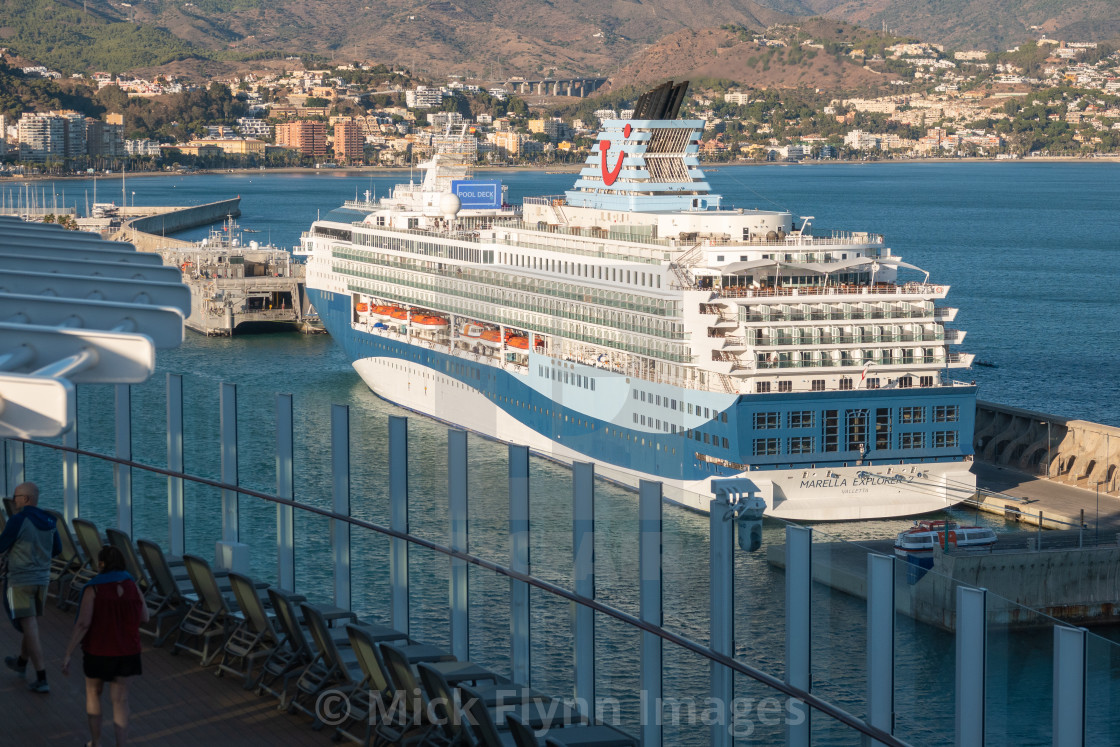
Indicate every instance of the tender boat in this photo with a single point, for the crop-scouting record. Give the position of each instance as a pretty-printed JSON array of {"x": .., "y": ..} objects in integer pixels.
[{"x": 919, "y": 540}]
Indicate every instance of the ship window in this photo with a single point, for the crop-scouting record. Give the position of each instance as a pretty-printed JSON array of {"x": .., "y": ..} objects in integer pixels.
[
  {"x": 873, "y": 383},
  {"x": 689, "y": 408},
  {"x": 845, "y": 383},
  {"x": 765, "y": 446},
  {"x": 818, "y": 385},
  {"x": 912, "y": 440},
  {"x": 658, "y": 398},
  {"x": 944, "y": 439},
  {"x": 767, "y": 420},
  {"x": 723, "y": 417},
  {"x": 642, "y": 419},
  {"x": 945, "y": 414},
  {"x": 643, "y": 396},
  {"x": 857, "y": 429},
  {"x": 719, "y": 258},
  {"x": 831, "y": 430},
  {"x": 925, "y": 381},
  {"x": 912, "y": 415},
  {"x": 762, "y": 386},
  {"x": 706, "y": 412},
  {"x": 801, "y": 419},
  {"x": 673, "y": 404},
  {"x": 801, "y": 445},
  {"x": 593, "y": 385},
  {"x": 635, "y": 417},
  {"x": 905, "y": 382},
  {"x": 883, "y": 428},
  {"x": 635, "y": 393},
  {"x": 705, "y": 438},
  {"x": 674, "y": 427},
  {"x": 785, "y": 386}
]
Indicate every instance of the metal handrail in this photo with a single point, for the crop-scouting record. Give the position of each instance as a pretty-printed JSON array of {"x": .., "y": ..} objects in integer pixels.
[{"x": 770, "y": 681}]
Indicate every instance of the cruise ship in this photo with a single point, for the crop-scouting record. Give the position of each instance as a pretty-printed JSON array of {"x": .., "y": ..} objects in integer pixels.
[{"x": 637, "y": 322}]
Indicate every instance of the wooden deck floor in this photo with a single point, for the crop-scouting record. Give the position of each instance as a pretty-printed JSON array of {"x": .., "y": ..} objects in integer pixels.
[{"x": 175, "y": 702}]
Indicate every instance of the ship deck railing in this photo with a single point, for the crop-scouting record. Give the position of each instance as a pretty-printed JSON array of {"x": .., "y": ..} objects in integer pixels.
[
  {"x": 879, "y": 289},
  {"x": 440, "y": 550}
]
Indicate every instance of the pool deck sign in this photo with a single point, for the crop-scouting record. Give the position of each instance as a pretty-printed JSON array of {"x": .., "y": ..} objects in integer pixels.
[{"x": 478, "y": 194}]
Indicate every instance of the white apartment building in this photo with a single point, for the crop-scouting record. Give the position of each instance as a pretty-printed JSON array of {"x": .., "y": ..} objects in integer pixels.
[
  {"x": 423, "y": 97},
  {"x": 41, "y": 136}
]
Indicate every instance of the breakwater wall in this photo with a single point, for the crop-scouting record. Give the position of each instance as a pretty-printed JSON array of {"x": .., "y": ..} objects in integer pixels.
[
  {"x": 171, "y": 220},
  {"x": 1080, "y": 586},
  {"x": 1073, "y": 452}
]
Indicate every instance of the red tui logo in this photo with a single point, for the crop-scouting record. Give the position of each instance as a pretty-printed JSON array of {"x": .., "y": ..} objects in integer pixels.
[{"x": 605, "y": 145}]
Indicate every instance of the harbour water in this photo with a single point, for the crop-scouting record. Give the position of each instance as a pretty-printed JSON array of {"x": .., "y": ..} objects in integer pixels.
[{"x": 1029, "y": 251}]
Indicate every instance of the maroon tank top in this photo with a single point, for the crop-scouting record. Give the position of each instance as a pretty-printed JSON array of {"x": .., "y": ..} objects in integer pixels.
[{"x": 115, "y": 628}]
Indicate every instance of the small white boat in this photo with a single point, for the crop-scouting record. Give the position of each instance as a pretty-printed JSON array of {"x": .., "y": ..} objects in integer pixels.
[{"x": 919, "y": 540}]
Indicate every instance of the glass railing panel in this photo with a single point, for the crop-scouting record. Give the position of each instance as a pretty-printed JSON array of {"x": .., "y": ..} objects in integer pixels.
[
  {"x": 149, "y": 446},
  {"x": 1020, "y": 679},
  {"x": 428, "y": 573},
  {"x": 1102, "y": 702},
  {"x": 96, "y": 432},
  {"x": 925, "y": 655},
  {"x": 838, "y": 627},
  {"x": 369, "y": 501},
  {"x": 314, "y": 568}
]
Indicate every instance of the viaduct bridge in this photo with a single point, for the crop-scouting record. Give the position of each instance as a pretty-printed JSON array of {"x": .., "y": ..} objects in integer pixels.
[{"x": 581, "y": 87}]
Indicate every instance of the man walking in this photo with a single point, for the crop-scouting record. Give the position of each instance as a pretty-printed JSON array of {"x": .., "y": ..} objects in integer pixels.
[{"x": 30, "y": 540}]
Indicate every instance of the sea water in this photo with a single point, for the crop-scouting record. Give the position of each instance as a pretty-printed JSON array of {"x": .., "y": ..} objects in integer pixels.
[{"x": 1028, "y": 250}]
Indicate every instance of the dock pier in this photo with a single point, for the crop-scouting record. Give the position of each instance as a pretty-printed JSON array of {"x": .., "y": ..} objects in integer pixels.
[
  {"x": 233, "y": 286},
  {"x": 1070, "y": 572}
]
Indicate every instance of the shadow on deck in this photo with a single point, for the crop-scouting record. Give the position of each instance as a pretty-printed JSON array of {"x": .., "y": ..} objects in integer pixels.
[{"x": 175, "y": 702}]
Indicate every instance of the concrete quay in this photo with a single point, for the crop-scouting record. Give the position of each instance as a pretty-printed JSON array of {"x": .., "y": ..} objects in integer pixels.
[{"x": 1070, "y": 572}]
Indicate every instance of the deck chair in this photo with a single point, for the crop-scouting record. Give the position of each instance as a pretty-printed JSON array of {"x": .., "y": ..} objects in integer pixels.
[
  {"x": 445, "y": 706},
  {"x": 89, "y": 539},
  {"x": 120, "y": 540},
  {"x": 371, "y": 700},
  {"x": 165, "y": 599},
  {"x": 329, "y": 668},
  {"x": 254, "y": 638},
  {"x": 481, "y": 723},
  {"x": 409, "y": 725},
  {"x": 590, "y": 734},
  {"x": 203, "y": 630},
  {"x": 66, "y": 563},
  {"x": 293, "y": 652}
]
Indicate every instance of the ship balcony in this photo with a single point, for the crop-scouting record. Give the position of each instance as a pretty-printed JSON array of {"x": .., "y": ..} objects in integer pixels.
[
  {"x": 960, "y": 360},
  {"x": 927, "y": 290},
  {"x": 773, "y": 315},
  {"x": 822, "y": 340},
  {"x": 852, "y": 363},
  {"x": 954, "y": 336},
  {"x": 944, "y": 314}
]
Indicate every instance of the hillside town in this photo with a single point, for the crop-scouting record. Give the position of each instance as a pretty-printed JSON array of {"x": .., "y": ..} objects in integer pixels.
[{"x": 1063, "y": 99}]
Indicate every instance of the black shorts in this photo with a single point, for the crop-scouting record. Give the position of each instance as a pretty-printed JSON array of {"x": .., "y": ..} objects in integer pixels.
[{"x": 108, "y": 668}]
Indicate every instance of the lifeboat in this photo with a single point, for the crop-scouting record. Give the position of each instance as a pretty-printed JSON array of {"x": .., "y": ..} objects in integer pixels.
[
  {"x": 361, "y": 308},
  {"x": 400, "y": 315},
  {"x": 383, "y": 311},
  {"x": 491, "y": 337},
  {"x": 473, "y": 331},
  {"x": 429, "y": 320},
  {"x": 518, "y": 341},
  {"x": 919, "y": 540}
]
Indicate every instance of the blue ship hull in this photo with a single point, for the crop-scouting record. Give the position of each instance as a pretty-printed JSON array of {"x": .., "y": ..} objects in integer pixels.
[{"x": 642, "y": 430}]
